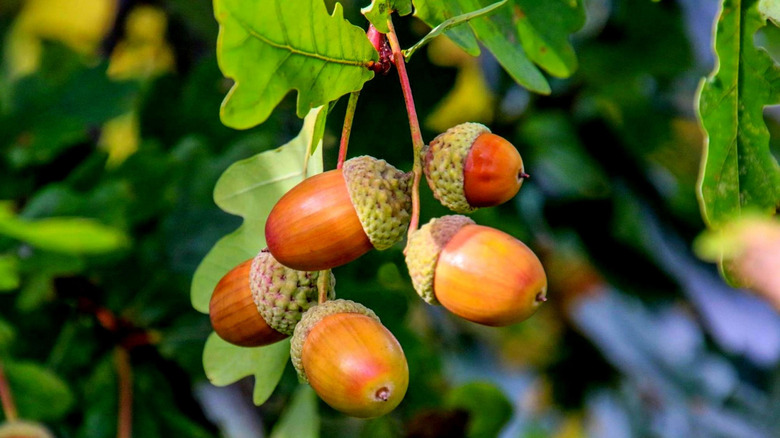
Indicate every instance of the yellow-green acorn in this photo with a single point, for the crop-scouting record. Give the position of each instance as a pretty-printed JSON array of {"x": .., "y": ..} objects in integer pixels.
[
  {"x": 350, "y": 359},
  {"x": 478, "y": 273}
]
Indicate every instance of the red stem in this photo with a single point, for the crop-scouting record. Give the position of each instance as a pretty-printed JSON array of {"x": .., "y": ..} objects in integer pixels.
[
  {"x": 124, "y": 373},
  {"x": 348, "y": 118},
  {"x": 414, "y": 124},
  {"x": 7, "y": 398}
]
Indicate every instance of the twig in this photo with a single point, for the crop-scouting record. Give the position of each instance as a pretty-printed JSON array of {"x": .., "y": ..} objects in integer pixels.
[
  {"x": 323, "y": 284},
  {"x": 6, "y": 397},
  {"x": 124, "y": 373},
  {"x": 348, "y": 117},
  {"x": 414, "y": 124}
]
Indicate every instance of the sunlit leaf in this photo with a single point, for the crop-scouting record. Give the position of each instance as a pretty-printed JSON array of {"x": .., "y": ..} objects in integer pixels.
[
  {"x": 80, "y": 24},
  {"x": 379, "y": 11},
  {"x": 450, "y": 23},
  {"x": 738, "y": 170},
  {"x": 226, "y": 363},
  {"x": 300, "y": 419},
  {"x": 66, "y": 235},
  {"x": 270, "y": 48},
  {"x": 518, "y": 34},
  {"x": 250, "y": 188}
]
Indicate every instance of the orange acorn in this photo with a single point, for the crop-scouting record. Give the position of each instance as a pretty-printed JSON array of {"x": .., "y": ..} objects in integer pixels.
[
  {"x": 350, "y": 359},
  {"x": 335, "y": 217},
  {"x": 259, "y": 301},
  {"x": 468, "y": 167},
  {"x": 478, "y": 273}
]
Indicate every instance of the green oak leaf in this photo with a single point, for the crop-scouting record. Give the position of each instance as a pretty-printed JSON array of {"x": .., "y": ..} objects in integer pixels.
[
  {"x": 249, "y": 188},
  {"x": 68, "y": 235},
  {"x": 544, "y": 28},
  {"x": 226, "y": 363},
  {"x": 489, "y": 409},
  {"x": 518, "y": 34},
  {"x": 738, "y": 172},
  {"x": 275, "y": 46},
  {"x": 379, "y": 11},
  {"x": 301, "y": 418}
]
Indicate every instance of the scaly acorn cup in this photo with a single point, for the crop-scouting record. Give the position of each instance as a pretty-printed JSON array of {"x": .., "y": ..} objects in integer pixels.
[
  {"x": 478, "y": 273},
  {"x": 259, "y": 291},
  {"x": 335, "y": 217},
  {"x": 350, "y": 359},
  {"x": 468, "y": 167},
  {"x": 283, "y": 295}
]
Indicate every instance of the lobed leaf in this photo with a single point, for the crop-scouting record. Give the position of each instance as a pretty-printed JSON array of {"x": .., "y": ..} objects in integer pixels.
[
  {"x": 275, "y": 46},
  {"x": 738, "y": 171},
  {"x": 39, "y": 393},
  {"x": 301, "y": 418},
  {"x": 250, "y": 188},
  {"x": 226, "y": 363}
]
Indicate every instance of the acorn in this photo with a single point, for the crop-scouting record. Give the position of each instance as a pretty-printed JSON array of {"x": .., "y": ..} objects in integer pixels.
[
  {"x": 259, "y": 301},
  {"x": 478, "y": 273},
  {"x": 335, "y": 217},
  {"x": 350, "y": 359},
  {"x": 24, "y": 429},
  {"x": 468, "y": 167}
]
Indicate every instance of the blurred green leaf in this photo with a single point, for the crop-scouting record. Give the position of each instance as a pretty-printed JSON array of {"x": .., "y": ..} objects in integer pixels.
[
  {"x": 284, "y": 45},
  {"x": 226, "y": 363},
  {"x": 250, "y": 188},
  {"x": 65, "y": 235},
  {"x": 541, "y": 28},
  {"x": 7, "y": 334},
  {"x": 565, "y": 168},
  {"x": 544, "y": 29},
  {"x": 39, "y": 393},
  {"x": 380, "y": 10},
  {"x": 489, "y": 410},
  {"x": 738, "y": 171},
  {"x": 450, "y": 23},
  {"x": 301, "y": 418},
  {"x": 9, "y": 272}
]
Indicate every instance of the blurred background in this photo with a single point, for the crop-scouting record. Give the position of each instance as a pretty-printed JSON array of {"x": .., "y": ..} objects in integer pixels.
[{"x": 110, "y": 146}]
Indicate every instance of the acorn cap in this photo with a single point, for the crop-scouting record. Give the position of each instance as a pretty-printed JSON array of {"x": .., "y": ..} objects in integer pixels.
[
  {"x": 423, "y": 249},
  {"x": 282, "y": 294},
  {"x": 311, "y": 318},
  {"x": 381, "y": 195},
  {"x": 443, "y": 162}
]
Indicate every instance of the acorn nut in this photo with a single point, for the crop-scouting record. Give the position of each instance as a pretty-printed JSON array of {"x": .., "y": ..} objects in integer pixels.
[
  {"x": 259, "y": 301},
  {"x": 468, "y": 167},
  {"x": 350, "y": 359},
  {"x": 335, "y": 217},
  {"x": 478, "y": 273}
]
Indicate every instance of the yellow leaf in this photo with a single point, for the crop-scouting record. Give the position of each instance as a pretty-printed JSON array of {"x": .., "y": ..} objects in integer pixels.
[
  {"x": 120, "y": 137},
  {"x": 470, "y": 100},
  {"x": 143, "y": 52},
  {"x": 79, "y": 24}
]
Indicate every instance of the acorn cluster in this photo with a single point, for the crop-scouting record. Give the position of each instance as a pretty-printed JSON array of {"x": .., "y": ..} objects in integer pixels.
[{"x": 340, "y": 347}]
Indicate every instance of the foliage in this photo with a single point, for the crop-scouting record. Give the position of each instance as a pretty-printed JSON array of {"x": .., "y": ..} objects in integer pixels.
[{"x": 125, "y": 199}]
